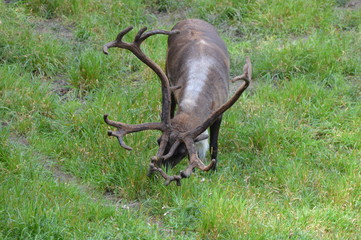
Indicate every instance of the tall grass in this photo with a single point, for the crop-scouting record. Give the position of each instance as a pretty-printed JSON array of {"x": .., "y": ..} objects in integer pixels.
[{"x": 289, "y": 161}]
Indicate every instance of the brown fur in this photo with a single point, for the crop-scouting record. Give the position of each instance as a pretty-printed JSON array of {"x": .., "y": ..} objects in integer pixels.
[
  {"x": 197, "y": 39},
  {"x": 181, "y": 48}
]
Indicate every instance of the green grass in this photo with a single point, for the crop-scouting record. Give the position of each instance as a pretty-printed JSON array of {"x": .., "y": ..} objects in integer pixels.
[{"x": 289, "y": 162}]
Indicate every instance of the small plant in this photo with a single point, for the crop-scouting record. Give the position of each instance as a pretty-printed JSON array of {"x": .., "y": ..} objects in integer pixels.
[
  {"x": 87, "y": 73},
  {"x": 56, "y": 8}
]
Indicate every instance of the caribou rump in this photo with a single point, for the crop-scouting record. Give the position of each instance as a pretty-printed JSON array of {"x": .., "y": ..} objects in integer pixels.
[{"x": 194, "y": 95}]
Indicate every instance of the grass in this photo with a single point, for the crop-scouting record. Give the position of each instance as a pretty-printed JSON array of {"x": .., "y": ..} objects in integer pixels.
[{"x": 289, "y": 162}]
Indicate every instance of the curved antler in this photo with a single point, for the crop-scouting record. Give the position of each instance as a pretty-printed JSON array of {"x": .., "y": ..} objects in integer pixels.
[{"x": 134, "y": 47}]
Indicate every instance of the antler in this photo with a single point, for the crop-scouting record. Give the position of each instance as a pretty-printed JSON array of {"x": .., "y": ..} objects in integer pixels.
[
  {"x": 124, "y": 129},
  {"x": 134, "y": 47},
  {"x": 189, "y": 137}
]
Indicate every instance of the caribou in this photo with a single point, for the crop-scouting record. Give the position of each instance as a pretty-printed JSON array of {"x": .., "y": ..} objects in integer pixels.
[{"x": 195, "y": 88}]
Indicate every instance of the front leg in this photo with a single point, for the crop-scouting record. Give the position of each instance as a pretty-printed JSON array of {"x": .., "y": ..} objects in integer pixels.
[
  {"x": 213, "y": 147},
  {"x": 173, "y": 105}
]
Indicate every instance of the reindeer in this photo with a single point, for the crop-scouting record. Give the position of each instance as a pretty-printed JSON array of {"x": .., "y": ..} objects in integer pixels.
[{"x": 194, "y": 95}]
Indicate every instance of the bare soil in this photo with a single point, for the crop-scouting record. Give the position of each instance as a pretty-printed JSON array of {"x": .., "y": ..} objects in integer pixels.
[{"x": 355, "y": 4}]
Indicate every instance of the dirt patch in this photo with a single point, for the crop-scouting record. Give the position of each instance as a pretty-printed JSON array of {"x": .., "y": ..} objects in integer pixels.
[
  {"x": 55, "y": 27},
  {"x": 167, "y": 19},
  {"x": 10, "y": 1},
  {"x": 60, "y": 85},
  {"x": 19, "y": 139},
  {"x": 355, "y": 5},
  {"x": 62, "y": 176},
  {"x": 63, "y": 32},
  {"x": 4, "y": 124}
]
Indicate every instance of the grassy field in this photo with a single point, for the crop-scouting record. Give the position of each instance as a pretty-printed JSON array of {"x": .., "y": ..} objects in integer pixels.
[{"x": 290, "y": 149}]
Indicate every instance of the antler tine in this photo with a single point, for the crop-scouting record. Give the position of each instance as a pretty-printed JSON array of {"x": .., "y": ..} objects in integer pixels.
[
  {"x": 183, "y": 174},
  {"x": 123, "y": 33},
  {"x": 195, "y": 162},
  {"x": 172, "y": 150},
  {"x": 247, "y": 72},
  {"x": 118, "y": 42},
  {"x": 139, "y": 35},
  {"x": 163, "y": 144},
  {"x": 120, "y": 134},
  {"x": 144, "y": 36},
  {"x": 246, "y": 77},
  {"x": 124, "y": 129},
  {"x": 168, "y": 179}
]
